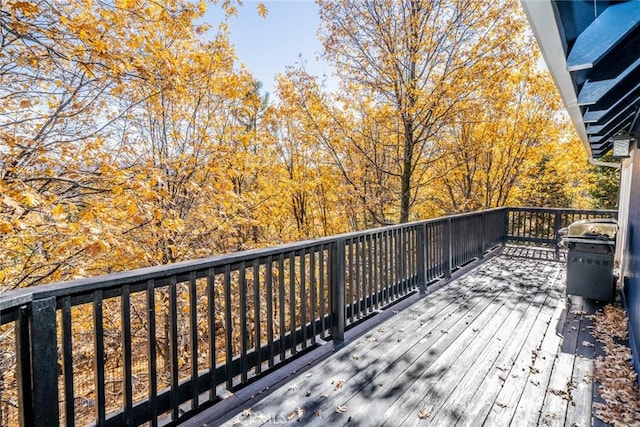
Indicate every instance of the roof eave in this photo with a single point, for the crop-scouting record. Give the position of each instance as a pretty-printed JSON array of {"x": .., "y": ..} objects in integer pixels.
[{"x": 546, "y": 30}]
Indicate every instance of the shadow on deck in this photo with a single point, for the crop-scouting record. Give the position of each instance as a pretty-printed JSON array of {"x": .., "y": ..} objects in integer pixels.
[{"x": 500, "y": 345}]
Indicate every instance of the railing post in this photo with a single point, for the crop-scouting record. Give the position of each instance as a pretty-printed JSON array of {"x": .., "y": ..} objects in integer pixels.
[
  {"x": 44, "y": 362},
  {"x": 422, "y": 264},
  {"x": 556, "y": 229},
  {"x": 447, "y": 248},
  {"x": 337, "y": 291}
]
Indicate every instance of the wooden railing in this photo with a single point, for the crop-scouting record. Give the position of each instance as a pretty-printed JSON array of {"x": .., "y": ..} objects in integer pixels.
[{"x": 158, "y": 344}]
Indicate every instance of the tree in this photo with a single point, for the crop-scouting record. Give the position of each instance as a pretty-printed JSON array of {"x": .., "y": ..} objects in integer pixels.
[
  {"x": 511, "y": 130},
  {"x": 413, "y": 61},
  {"x": 605, "y": 187},
  {"x": 72, "y": 76}
]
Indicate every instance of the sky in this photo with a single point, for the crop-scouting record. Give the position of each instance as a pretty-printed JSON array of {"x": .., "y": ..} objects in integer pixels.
[{"x": 286, "y": 36}]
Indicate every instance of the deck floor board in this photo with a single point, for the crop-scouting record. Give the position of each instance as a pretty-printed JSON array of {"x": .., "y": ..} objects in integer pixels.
[{"x": 486, "y": 349}]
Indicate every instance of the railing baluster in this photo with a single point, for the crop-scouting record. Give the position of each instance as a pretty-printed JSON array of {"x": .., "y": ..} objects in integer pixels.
[
  {"x": 67, "y": 360},
  {"x": 395, "y": 258},
  {"x": 312, "y": 284},
  {"x": 349, "y": 284},
  {"x": 99, "y": 356},
  {"x": 127, "y": 354},
  {"x": 395, "y": 261},
  {"x": 282, "y": 307},
  {"x": 447, "y": 248},
  {"x": 269, "y": 294},
  {"x": 369, "y": 273},
  {"x": 322, "y": 262},
  {"x": 303, "y": 298},
  {"x": 358, "y": 264},
  {"x": 211, "y": 322},
  {"x": 376, "y": 266},
  {"x": 421, "y": 248},
  {"x": 414, "y": 257},
  {"x": 229, "y": 327},
  {"x": 193, "y": 315},
  {"x": 153, "y": 365},
  {"x": 173, "y": 347},
  {"x": 385, "y": 263},
  {"x": 292, "y": 303},
  {"x": 421, "y": 270},
  {"x": 243, "y": 323},
  {"x": 256, "y": 319}
]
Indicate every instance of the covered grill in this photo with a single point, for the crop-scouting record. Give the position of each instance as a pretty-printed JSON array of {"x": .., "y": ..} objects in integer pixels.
[{"x": 591, "y": 245}]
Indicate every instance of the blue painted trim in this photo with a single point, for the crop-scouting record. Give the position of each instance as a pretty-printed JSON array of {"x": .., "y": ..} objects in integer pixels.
[
  {"x": 594, "y": 91},
  {"x": 604, "y": 33}
]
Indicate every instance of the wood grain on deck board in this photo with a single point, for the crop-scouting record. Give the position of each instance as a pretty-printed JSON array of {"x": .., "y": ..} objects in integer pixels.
[{"x": 481, "y": 350}]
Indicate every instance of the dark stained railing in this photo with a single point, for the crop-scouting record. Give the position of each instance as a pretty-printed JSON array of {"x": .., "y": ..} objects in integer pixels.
[
  {"x": 540, "y": 226},
  {"x": 157, "y": 344}
]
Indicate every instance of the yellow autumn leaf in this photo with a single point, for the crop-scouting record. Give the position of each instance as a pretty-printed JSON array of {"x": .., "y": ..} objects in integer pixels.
[
  {"x": 29, "y": 200},
  {"x": 58, "y": 210},
  {"x": 5, "y": 227},
  {"x": 262, "y": 10},
  {"x": 96, "y": 247}
]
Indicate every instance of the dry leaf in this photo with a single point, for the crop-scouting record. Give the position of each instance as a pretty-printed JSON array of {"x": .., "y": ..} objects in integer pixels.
[
  {"x": 297, "y": 413},
  {"x": 423, "y": 414},
  {"x": 341, "y": 409}
]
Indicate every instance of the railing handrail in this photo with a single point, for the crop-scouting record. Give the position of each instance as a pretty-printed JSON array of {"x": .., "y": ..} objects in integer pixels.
[
  {"x": 17, "y": 297},
  {"x": 559, "y": 210}
]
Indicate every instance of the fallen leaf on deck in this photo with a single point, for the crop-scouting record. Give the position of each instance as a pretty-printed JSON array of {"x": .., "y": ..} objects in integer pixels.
[
  {"x": 618, "y": 380},
  {"x": 341, "y": 409},
  {"x": 297, "y": 413},
  {"x": 422, "y": 414},
  {"x": 317, "y": 412}
]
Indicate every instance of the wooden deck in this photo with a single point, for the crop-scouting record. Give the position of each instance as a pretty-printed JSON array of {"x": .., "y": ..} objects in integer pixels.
[{"x": 486, "y": 349}]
